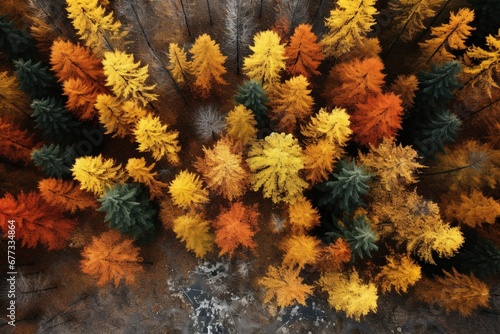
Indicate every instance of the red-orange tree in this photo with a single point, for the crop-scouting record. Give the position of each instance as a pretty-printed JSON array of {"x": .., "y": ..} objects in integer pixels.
[{"x": 304, "y": 52}]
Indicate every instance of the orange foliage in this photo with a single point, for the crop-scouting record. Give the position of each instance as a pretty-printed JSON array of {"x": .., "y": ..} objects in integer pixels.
[
  {"x": 36, "y": 223},
  {"x": 304, "y": 52},
  {"x": 81, "y": 97},
  {"x": 303, "y": 216},
  {"x": 474, "y": 209},
  {"x": 16, "y": 145},
  {"x": 300, "y": 250},
  {"x": 318, "y": 160},
  {"x": 66, "y": 194},
  {"x": 236, "y": 227},
  {"x": 335, "y": 255}
]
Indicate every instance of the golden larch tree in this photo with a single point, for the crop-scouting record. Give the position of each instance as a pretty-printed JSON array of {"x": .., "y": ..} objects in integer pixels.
[
  {"x": 304, "y": 53},
  {"x": 178, "y": 64},
  {"x": 152, "y": 136},
  {"x": 275, "y": 163},
  {"x": 241, "y": 125},
  {"x": 118, "y": 117},
  {"x": 300, "y": 250},
  {"x": 405, "y": 86},
  {"x": 399, "y": 273},
  {"x": 66, "y": 194},
  {"x": 13, "y": 101},
  {"x": 140, "y": 172},
  {"x": 187, "y": 190},
  {"x": 82, "y": 97},
  {"x": 335, "y": 255},
  {"x": 96, "y": 174},
  {"x": 111, "y": 258},
  {"x": 17, "y": 144},
  {"x": 223, "y": 170},
  {"x": 348, "y": 24},
  {"x": 207, "y": 64},
  {"x": 193, "y": 229},
  {"x": 332, "y": 126},
  {"x": 319, "y": 158},
  {"x": 302, "y": 215},
  {"x": 473, "y": 209}
]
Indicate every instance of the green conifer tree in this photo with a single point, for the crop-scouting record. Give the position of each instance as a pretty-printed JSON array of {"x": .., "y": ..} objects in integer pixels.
[
  {"x": 14, "y": 43},
  {"x": 481, "y": 257},
  {"x": 128, "y": 209},
  {"x": 359, "y": 235},
  {"x": 434, "y": 133},
  {"x": 55, "y": 122},
  {"x": 35, "y": 78},
  {"x": 254, "y": 97},
  {"x": 54, "y": 160}
]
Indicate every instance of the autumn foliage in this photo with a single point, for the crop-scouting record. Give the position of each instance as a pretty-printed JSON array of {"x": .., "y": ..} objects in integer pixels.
[
  {"x": 304, "y": 52},
  {"x": 66, "y": 194},
  {"x": 17, "y": 144}
]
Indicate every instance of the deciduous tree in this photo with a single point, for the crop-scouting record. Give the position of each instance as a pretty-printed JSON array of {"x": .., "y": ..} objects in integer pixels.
[
  {"x": 141, "y": 173},
  {"x": 119, "y": 118},
  {"x": 65, "y": 194},
  {"x": 241, "y": 125},
  {"x": 13, "y": 101},
  {"x": 332, "y": 126},
  {"x": 302, "y": 215},
  {"x": 17, "y": 144},
  {"x": 239, "y": 25},
  {"x": 304, "y": 53},
  {"x": 82, "y": 97},
  {"x": 473, "y": 209},
  {"x": 300, "y": 250},
  {"x": 187, "y": 190},
  {"x": 400, "y": 272},
  {"x": 193, "y": 229},
  {"x": 319, "y": 158},
  {"x": 335, "y": 255},
  {"x": 95, "y": 174},
  {"x": 405, "y": 86}
]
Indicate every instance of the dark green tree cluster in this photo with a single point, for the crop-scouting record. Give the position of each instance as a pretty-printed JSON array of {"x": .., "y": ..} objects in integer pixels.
[
  {"x": 252, "y": 95},
  {"x": 54, "y": 160},
  {"x": 54, "y": 120}
]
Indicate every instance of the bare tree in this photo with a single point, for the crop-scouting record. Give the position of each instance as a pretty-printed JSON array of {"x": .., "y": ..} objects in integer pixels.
[{"x": 239, "y": 28}]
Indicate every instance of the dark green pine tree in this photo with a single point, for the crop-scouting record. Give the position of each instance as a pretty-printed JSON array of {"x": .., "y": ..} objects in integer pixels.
[
  {"x": 433, "y": 134},
  {"x": 254, "y": 97},
  {"x": 55, "y": 122},
  {"x": 14, "y": 43},
  {"x": 435, "y": 88},
  {"x": 344, "y": 191},
  {"x": 35, "y": 79},
  {"x": 486, "y": 19},
  {"x": 54, "y": 160},
  {"x": 128, "y": 209},
  {"x": 359, "y": 235},
  {"x": 481, "y": 257}
]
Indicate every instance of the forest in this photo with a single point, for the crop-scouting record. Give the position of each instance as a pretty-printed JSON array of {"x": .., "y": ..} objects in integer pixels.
[{"x": 250, "y": 166}]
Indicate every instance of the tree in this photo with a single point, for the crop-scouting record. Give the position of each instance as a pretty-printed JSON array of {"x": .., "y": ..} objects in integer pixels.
[
  {"x": 352, "y": 82},
  {"x": 275, "y": 163},
  {"x": 284, "y": 284},
  {"x": 118, "y": 117},
  {"x": 126, "y": 78},
  {"x": 111, "y": 258},
  {"x": 455, "y": 292},
  {"x": 304, "y": 53},
  {"x": 254, "y": 97},
  {"x": 223, "y": 170},
  {"x": 209, "y": 123},
  {"x": 482, "y": 258},
  {"x": 405, "y": 86},
  {"x": 319, "y": 158},
  {"x": 55, "y": 122},
  {"x": 300, "y": 250},
  {"x": 400, "y": 272},
  {"x": 473, "y": 209},
  {"x": 345, "y": 189},
  {"x": 14, "y": 43},
  {"x": 96, "y": 28},
  {"x": 293, "y": 103},
  {"x": 34, "y": 78},
  {"x": 54, "y": 160},
  {"x": 17, "y": 144},
  {"x": 267, "y": 60},
  {"x": 235, "y": 228},
  {"x": 207, "y": 64},
  {"x": 239, "y": 26},
  {"x": 377, "y": 118},
  {"x": 348, "y": 24},
  {"x": 187, "y": 190},
  {"x": 393, "y": 164},
  {"x": 141, "y": 173},
  {"x": 348, "y": 293},
  {"x": 128, "y": 209},
  {"x": 95, "y": 174},
  {"x": 65, "y": 194},
  {"x": 152, "y": 136},
  {"x": 289, "y": 14},
  {"x": 335, "y": 255},
  {"x": 241, "y": 125},
  {"x": 193, "y": 229},
  {"x": 81, "y": 97},
  {"x": 332, "y": 126},
  {"x": 302, "y": 216},
  {"x": 487, "y": 18},
  {"x": 178, "y": 64},
  {"x": 448, "y": 37},
  {"x": 359, "y": 235},
  {"x": 36, "y": 223},
  {"x": 12, "y": 100}
]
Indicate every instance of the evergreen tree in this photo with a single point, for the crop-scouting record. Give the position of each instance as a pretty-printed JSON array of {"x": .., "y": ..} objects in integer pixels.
[
  {"x": 344, "y": 192},
  {"x": 34, "y": 78},
  {"x": 54, "y": 160},
  {"x": 481, "y": 257},
  {"x": 434, "y": 133},
  {"x": 55, "y": 122},
  {"x": 14, "y": 43},
  {"x": 254, "y": 97},
  {"x": 360, "y": 236},
  {"x": 128, "y": 209}
]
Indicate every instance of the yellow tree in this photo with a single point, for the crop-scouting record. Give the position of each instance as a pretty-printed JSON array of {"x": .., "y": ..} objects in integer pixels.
[
  {"x": 178, "y": 64},
  {"x": 95, "y": 174},
  {"x": 302, "y": 215},
  {"x": 96, "y": 28},
  {"x": 448, "y": 37},
  {"x": 207, "y": 64},
  {"x": 300, "y": 250},
  {"x": 285, "y": 284},
  {"x": 13, "y": 101},
  {"x": 332, "y": 126},
  {"x": 400, "y": 272},
  {"x": 111, "y": 258},
  {"x": 152, "y": 136},
  {"x": 193, "y": 229},
  {"x": 473, "y": 209},
  {"x": 304, "y": 52},
  {"x": 241, "y": 125},
  {"x": 119, "y": 118},
  {"x": 267, "y": 60},
  {"x": 141, "y": 173},
  {"x": 223, "y": 170},
  {"x": 348, "y": 24},
  {"x": 126, "y": 78},
  {"x": 293, "y": 103},
  {"x": 319, "y": 158},
  {"x": 187, "y": 190},
  {"x": 275, "y": 163}
]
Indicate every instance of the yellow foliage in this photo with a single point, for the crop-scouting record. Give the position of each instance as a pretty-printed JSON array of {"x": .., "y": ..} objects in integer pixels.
[
  {"x": 241, "y": 124},
  {"x": 139, "y": 172},
  {"x": 207, "y": 64},
  {"x": 126, "y": 78},
  {"x": 12, "y": 100},
  {"x": 474, "y": 209},
  {"x": 332, "y": 126},
  {"x": 223, "y": 170},
  {"x": 349, "y": 293},
  {"x": 400, "y": 272},
  {"x": 300, "y": 250},
  {"x": 187, "y": 190},
  {"x": 302, "y": 215},
  {"x": 119, "y": 118},
  {"x": 153, "y": 137},
  {"x": 318, "y": 160},
  {"x": 405, "y": 86},
  {"x": 285, "y": 284},
  {"x": 95, "y": 174},
  {"x": 178, "y": 64},
  {"x": 275, "y": 163},
  {"x": 194, "y": 230},
  {"x": 348, "y": 25},
  {"x": 267, "y": 60}
]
